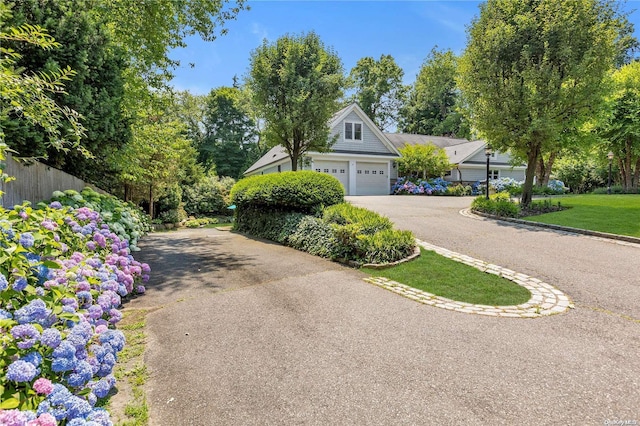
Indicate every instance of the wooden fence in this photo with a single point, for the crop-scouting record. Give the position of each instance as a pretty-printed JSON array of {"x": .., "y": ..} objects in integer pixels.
[{"x": 35, "y": 182}]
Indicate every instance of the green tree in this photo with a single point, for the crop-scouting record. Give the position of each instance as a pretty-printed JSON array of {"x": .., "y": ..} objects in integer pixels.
[
  {"x": 95, "y": 90},
  {"x": 29, "y": 96},
  {"x": 533, "y": 70},
  {"x": 620, "y": 132},
  {"x": 296, "y": 83},
  {"x": 432, "y": 105},
  {"x": 230, "y": 142},
  {"x": 378, "y": 89},
  {"x": 428, "y": 160}
]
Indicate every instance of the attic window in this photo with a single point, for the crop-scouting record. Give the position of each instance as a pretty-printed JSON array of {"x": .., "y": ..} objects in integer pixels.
[{"x": 352, "y": 131}]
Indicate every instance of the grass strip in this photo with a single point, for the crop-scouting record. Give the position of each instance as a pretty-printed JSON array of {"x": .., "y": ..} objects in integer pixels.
[
  {"x": 444, "y": 277},
  {"x": 128, "y": 407},
  {"x": 616, "y": 214}
]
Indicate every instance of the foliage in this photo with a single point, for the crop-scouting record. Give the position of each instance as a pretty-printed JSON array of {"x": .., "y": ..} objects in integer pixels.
[
  {"x": 147, "y": 31},
  {"x": 95, "y": 90},
  {"x": 581, "y": 174},
  {"x": 30, "y": 96},
  {"x": 63, "y": 274},
  {"x": 303, "y": 191},
  {"x": 499, "y": 204},
  {"x": 176, "y": 215},
  {"x": 436, "y": 186},
  {"x": 208, "y": 196},
  {"x": 432, "y": 105},
  {"x": 127, "y": 221},
  {"x": 200, "y": 222},
  {"x": 459, "y": 190},
  {"x": 230, "y": 140},
  {"x": 386, "y": 246},
  {"x": 347, "y": 214},
  {"x": 378, "y": 89},
  {"x": 534, "y": 70},
  {"x": 313, "y": 235},
  {"x": 620, "y": 131},
  {"x": 296, "y": 83},
  {"x": 428, "y": 160}
]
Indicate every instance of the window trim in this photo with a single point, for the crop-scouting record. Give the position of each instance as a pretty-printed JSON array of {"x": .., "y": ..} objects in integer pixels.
[{"x": 353, "y": 131}]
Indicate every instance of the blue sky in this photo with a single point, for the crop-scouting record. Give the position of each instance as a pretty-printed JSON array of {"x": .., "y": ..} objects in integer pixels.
[{"x": 407, "y": 30}]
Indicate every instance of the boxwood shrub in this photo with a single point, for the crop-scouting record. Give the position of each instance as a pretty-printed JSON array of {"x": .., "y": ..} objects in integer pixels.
[{"x": 301, "y": 191}]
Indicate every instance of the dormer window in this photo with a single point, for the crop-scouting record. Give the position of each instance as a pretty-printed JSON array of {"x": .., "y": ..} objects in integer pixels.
[{"x": 352, "y": 131}]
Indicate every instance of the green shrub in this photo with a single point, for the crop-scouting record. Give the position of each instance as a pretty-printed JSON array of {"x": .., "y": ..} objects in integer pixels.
[
  {"x": 367, "y": 222},
  {"x": 274, "y": 226},
  {"x": 386, "y": 246},
  {"x": 314, "y": 236},
  {"x": 459, "y": 190},
  {"x": 172, "y": 216},
  {"x": 171, "y": 200},
  {"x": 196, "y": 223},
  {"x": 301, "y": 191},
  {"x": 499, "y": 204},
  {"x": 209, "y": 196}
]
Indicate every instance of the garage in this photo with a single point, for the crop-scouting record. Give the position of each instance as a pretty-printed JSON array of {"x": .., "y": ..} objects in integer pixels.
[
  {"x": 371, "y": 178},
  {"x": 337, "y": 169}
]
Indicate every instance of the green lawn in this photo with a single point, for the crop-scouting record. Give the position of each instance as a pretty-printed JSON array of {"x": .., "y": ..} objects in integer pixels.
[
  {"x": 454, "y": 280},
  {"x": 615, "y": 214}
]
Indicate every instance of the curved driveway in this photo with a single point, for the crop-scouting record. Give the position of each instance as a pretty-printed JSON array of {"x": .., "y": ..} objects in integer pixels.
[{"x": 245, "y": 332}]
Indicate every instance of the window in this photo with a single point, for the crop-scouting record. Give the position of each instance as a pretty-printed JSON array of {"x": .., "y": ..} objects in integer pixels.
[
  {"x": 494, "y": 174},
  {"x": 352, "y": 131},
  {"x": 381, "y": 172},
  {"x": 366, "y": 172},
  {"x": 341, "y": 171},
  {"x": 334, "y": 171},
  {"x": 279, "y": 169},
  {"x": 317, "y": 170},
  {"x": 359, "y": 172},
  {"x": 326, "y": 170},
  {"x": 373, "y": 172}
]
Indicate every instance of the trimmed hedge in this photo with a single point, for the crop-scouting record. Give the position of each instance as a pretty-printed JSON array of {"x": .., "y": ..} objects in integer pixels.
[
  {"x": 367, "y": 221},
  {"x": 499, "y": 204},
  {"x": 301, "y": 191}
]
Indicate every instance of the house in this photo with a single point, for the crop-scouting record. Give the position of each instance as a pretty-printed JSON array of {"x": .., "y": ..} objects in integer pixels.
[{"x": 363, "y": 158}]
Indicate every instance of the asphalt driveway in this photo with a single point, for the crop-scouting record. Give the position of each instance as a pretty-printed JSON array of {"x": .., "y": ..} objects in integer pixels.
[{"x": 245, "y": 332}]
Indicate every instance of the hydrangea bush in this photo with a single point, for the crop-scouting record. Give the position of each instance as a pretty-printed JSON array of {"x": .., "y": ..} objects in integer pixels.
[
  {"x": 63, "y": 273},
  {"x": 127, "y": 221},
  {"x": 436, "y": 186},
  {"x": 514, "y": 187}
]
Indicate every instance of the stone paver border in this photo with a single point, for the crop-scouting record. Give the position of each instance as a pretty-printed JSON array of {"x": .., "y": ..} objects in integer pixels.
[{"x": 545, "y": 299}]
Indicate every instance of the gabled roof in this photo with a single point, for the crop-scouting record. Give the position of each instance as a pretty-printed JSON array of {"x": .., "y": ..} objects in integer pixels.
[
  {"x": 458, "y": 150},
  {"x": 344, "y": 112},
  {"x": 274, "y": 155}
]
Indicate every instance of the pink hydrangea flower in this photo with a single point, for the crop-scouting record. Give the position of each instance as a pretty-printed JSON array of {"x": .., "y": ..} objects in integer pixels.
[{"x": 43, "y": 386}]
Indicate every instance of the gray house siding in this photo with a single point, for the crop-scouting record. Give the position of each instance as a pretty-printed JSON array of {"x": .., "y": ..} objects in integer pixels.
[{"x": 370, "y": 142}]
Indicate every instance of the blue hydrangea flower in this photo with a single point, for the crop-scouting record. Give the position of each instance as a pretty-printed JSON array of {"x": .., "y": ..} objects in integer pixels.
[
  {"x": 5, "y": 315},
  {"x": 115, "y": 338},
  {"x": 21, "y": 371},
  {"x": 26, "y": 240},
  {"x": 34, "y": 311},
  {"x": 51, "y": 337},
  {"x": 101, "y": 388},
  {"x": 4, "y": 284},
  {"x": 20, "y": 284},
  {"x": 81, "y": 375},
  {"x": 34, "y": 358}
]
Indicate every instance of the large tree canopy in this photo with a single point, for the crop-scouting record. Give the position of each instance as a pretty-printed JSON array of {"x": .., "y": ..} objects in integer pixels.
[
  {"x": 621, "y": 129},
  {"x": 378, "y": 89},
  {"x": 296, "y": 83},
  {"x": 426, "y": 160},
  {"x": 432, "y": 106},
  {"x": 534, "y": 69}
]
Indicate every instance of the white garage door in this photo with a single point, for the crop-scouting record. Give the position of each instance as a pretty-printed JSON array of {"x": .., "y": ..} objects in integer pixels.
[
  {"x": 337, "y": 169},
  {"x": 371, "y": 179}
]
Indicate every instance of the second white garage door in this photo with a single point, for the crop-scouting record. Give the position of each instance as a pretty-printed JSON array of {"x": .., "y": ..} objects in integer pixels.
[{"x": 371, "y": 178}]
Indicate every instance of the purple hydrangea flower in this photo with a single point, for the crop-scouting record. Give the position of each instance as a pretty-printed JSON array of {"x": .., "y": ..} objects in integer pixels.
[
  {"x": 55, "y": 205},
  {"x": 49, "y": 224},
  {"x": 5, "y": 315},
  {"x": 26, "y": 335},
  {"x": 21, "y": 371},
  {"x": 26, "y": 240}
]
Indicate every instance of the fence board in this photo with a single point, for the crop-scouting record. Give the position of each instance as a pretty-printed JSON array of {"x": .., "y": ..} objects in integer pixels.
[{"x": 35, "y": 182}]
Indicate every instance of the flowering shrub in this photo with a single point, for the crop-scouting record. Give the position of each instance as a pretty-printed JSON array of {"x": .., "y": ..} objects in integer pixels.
[
  {"x": 437, "y": 186},
  {"x": 63, "y": 274},
  {"x": 557, "y": 186},
  {"x": 126, "y": 220}
]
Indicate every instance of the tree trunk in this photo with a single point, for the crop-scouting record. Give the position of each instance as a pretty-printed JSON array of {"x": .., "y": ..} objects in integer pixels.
[
  {"x": 527, "y": 188},
  {"x": 636, "y": 175},
  {"x": 627, "y": 167},
  {"x": 543, "y": 169},
  {"x": 151, "y": 201}
]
